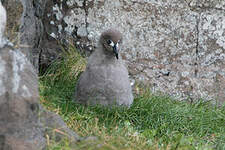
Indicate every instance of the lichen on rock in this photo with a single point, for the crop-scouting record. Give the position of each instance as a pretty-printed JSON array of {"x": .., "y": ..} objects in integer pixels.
[
  {"x": 2, "y": 25},
  {"x": 169, "y": 44},
  {"x": 20, "y": 125},
  {"x": 165, "y": 42}
]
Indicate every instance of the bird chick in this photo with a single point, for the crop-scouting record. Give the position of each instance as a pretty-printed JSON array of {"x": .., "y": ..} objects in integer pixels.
[{"x": 105, "y": 80}]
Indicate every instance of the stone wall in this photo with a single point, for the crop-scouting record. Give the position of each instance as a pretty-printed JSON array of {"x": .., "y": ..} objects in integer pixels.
[{"x": 177, "y": 46}]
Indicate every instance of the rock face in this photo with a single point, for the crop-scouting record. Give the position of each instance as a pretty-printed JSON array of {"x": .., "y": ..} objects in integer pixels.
[
  {"x": 19, "y": 127},
  {"x": 2, "y": 25},
  {"x": 24, "y": 27},
  {"x": 22, "y": 125},
  {"x": 176, "y": 46}
]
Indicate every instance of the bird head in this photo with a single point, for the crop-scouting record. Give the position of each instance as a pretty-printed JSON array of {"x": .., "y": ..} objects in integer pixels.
[{"x": 111, "y": 40}]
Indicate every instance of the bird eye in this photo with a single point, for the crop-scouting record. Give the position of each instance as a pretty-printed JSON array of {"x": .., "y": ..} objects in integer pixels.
[{"x": 109, "y": 42}]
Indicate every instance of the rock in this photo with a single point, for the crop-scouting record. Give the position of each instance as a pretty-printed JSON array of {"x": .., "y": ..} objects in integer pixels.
[
  {"x": 159, "y": 36},
  {"x": 211, "y": 56},
  {"x": 2, "y": 25},
  {"x": 19, "y": 103},
  {"x": 14, "y": 13},
  {"x": 207, "y": 4},
  {"x": 31, "y": 29},
  {"x": 25, "y": 27},
  {"x": 165, "y": 41},
  {"x": 55, "y": 127},
  {"x": 21, "y": 127}
]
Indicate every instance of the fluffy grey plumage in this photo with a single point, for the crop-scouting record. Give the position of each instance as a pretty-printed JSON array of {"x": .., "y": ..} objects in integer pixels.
[{"x": 105, "y": 80}]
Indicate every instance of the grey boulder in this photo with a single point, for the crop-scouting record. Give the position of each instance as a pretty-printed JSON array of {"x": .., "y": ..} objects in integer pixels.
[
  {"x": 19, "y": 103},
  {"x": 22, "y": 125}
]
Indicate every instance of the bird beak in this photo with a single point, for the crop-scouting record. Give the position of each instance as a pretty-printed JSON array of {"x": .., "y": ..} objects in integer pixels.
[{"x": 115, "y": 51}]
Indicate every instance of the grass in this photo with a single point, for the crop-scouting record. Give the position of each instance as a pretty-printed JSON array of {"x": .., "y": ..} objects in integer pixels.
[{"x": 152, "y": 122}]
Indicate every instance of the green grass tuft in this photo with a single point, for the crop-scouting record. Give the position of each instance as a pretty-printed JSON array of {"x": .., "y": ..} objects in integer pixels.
[{"x": 152, "y": 122}]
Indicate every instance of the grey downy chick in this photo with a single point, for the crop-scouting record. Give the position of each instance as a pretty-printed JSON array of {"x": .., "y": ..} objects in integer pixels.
[{"x": 105, "y": 80}]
